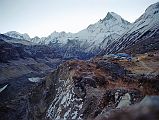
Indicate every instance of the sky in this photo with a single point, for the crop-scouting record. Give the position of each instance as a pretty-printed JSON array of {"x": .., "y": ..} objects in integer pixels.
[{"x": 42, "y": 17}]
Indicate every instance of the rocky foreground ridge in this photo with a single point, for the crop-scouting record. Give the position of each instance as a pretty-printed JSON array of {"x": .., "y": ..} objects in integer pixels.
[{"x": 101, "y": 87}]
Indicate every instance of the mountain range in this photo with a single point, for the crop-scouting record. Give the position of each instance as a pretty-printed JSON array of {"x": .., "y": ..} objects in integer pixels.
[
  {"x": 94, "y": 37},
  {"x": 108, "y": 35}
]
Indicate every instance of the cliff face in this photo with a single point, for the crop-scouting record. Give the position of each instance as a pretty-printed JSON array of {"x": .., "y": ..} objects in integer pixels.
[
  {"x": 26, "y": 100},
  {"x": 98, "y": 88}
]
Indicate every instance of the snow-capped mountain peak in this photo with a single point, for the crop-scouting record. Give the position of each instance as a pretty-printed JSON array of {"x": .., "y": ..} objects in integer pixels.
[
  {"x": 60, "y": 37},
  {"x": 18, "y": 35},
  {"x": 112, "y": 19},
  {"x": 143, "y": 28},
  {"x": 111, "y": 16},
  {"x": 112, "y": 25},
  {"x": 35, "y": 39}
]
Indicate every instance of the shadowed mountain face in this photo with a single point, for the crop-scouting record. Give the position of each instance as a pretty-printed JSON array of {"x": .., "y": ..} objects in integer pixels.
[
  {"x": 12, "y": 51},
  {"x": 148, "y": 42},
  {"x": 22, "y": 68},
  {"x": 13, "y": 48}
]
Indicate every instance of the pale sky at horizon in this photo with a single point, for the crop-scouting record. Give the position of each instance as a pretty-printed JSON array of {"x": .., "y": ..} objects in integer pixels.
[{"x": 42, "y": 17}]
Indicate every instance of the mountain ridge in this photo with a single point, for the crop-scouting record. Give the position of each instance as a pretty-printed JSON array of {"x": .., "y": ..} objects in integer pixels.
[
  {"x": 146, "y": 26},
  {"x": 101, "y": 27},
  {"x": 15, "y": 34}
]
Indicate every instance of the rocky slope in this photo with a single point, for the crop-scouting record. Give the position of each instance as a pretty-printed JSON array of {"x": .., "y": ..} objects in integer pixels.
[{"x": 101, "y": 87}]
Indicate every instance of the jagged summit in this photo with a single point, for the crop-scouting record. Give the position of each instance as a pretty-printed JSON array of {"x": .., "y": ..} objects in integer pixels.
[
  {"x": 144, "y": 29},
  {"x": 114, "y": 17},
  {"x": 112, "y": 25},
  {"x": 15, "y": 34}
]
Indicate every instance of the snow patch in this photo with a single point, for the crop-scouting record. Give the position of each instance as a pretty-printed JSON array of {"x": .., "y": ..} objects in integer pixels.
[
  {"x": 34, "y": 79},
  {"x": 3, "y": 88},
  {"x": 66, "y": 105},
  {"x": 125, "y": 101}
]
